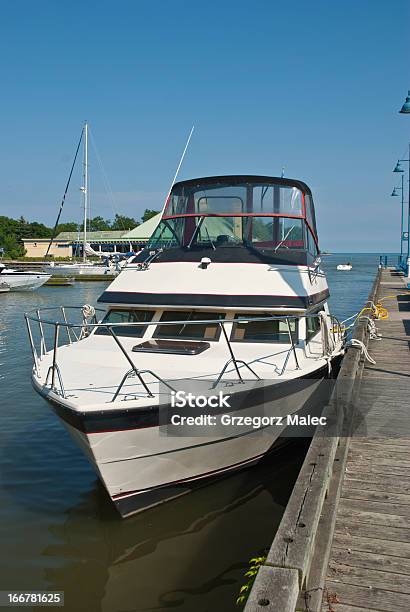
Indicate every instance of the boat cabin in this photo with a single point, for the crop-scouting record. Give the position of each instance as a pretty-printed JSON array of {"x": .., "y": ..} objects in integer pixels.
[{"x": 259, "y": 217}]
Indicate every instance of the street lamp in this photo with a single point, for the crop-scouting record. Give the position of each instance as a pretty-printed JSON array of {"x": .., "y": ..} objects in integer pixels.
[
  {"x": 393, "y": 195},
  {"x": 405, "y": 110}
]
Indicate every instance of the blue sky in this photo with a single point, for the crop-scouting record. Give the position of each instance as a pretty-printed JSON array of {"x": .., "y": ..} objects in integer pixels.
[{"x": 314, "y": 87}]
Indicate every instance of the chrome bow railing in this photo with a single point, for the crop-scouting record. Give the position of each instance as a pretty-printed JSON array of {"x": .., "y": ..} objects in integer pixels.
[{"x": 88, "y": 322}]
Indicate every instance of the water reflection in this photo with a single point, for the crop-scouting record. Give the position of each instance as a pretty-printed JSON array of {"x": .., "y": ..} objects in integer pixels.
[{"x": 188, "y": 554}]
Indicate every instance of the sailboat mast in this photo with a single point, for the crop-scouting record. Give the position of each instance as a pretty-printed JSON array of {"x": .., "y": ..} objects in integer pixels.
[{"x": 85, "y": 189}]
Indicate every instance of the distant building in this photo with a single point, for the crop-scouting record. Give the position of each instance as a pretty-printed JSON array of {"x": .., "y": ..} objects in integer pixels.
[
  {"x": 70, "y": 244},
  {"x": 142, "y": 233}
]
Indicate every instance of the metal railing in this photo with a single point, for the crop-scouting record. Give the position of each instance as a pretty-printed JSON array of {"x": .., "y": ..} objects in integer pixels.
[
  {"x": 399, "y": 262},
  {"x": 76, "y": 332}
]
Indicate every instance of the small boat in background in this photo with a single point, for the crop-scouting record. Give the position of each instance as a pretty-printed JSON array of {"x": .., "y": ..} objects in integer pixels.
[
  {"x": 21, "y": 280},
  {"x": 347, "y": 266}
]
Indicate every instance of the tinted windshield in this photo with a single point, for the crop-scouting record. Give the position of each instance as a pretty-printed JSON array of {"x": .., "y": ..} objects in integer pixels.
[
  {"x": 235, "y": 199},
  {"x": 259, "y": 232}
]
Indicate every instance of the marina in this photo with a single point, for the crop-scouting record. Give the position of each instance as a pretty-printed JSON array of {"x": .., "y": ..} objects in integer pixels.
[
  {"x": 205, "y": 307},
  {"x": 51, "y": 492}
]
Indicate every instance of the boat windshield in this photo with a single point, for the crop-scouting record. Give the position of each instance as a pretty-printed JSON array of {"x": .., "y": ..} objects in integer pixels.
[
  {"x": 262, "y": 215},
  {"x": 235, "y": 199}
]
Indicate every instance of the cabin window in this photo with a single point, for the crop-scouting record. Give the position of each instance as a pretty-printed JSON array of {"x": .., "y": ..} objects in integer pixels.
[
  {"x": 187, "y": 330},
  {"x": 312, "y": 326},
  {"x": 225, "y": 199},
  {"x": 126, "y": 316},
  {"x": 275, "y": 233},
  {"x": 311, "y": 244},
  {"x": 275, "y": 330}
]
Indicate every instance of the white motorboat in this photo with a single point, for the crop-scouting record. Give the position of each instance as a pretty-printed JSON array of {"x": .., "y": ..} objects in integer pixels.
[
  {"x": 347, "y": 267},
  {"x": 82, "y": 268},
  {"x": 227, "y": 298},
  {"x": 21, "y": 280}
]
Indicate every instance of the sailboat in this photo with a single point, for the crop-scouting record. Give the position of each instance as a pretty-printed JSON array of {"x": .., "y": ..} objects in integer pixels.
[{"x": 85, "y": 267}]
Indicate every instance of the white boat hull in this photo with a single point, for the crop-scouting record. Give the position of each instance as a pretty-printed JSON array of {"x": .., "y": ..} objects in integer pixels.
[
  {"x": 143, "y": 466},
  {"x": 344, "y": 267},
  {"x": 24, "y": 281},
  {"x": 79, "y": 270}
]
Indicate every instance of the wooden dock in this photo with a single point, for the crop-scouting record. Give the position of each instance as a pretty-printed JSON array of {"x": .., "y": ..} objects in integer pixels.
[
  {"x": 65, "y": 281},
  {"x": 344, "y": 541}
]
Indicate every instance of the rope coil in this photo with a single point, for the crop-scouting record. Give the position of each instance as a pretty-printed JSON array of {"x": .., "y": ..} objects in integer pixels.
[
  {"x": 363, "y": 349},
  {"x": 88, "y": 311}
]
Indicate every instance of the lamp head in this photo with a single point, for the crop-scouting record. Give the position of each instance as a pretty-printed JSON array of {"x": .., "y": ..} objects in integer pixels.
[
  {"x": 405, "y": 109},
  {"x": 394, "y": 192},
  {"x": 398, "y": 168}
]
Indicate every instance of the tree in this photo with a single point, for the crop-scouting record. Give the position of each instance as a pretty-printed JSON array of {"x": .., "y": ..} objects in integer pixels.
[
  {"x": 148, "y": 214},
  {"x": 70, "y": 226},
  {"x": 121, "y": 222},
  {"x": 98, "y": 224},
  {"x": 12, "y": 248}
]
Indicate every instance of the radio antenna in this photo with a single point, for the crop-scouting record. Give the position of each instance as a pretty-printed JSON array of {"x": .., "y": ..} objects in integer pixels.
[{"x": 179, "y": 166}]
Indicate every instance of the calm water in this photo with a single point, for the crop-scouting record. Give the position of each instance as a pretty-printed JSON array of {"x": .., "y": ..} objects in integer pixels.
[{"x": 58, "y": 531}]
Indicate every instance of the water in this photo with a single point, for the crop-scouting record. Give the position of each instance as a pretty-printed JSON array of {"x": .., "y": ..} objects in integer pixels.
[{"x": 58, "y": 531}]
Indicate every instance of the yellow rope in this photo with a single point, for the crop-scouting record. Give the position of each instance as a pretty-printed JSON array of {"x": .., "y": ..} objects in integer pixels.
[{"x": 378, "y": 311}]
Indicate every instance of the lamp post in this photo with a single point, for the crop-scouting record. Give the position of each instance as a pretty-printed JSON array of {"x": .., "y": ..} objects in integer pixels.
[
  {"x": 405, "y": 110},
  {"x": 395, "y": 194}
]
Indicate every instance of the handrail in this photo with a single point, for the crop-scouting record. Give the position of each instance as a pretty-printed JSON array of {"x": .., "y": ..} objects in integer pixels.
[
  {"x": 139, "y": 374},
  {"x": 86, "y": 328},
  {"x": 56, "y": 369},
  {"x": 148, "y": 323}
]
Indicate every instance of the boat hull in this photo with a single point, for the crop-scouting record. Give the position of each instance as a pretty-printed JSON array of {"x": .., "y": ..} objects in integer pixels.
[
  {"x": 79, "y": 270},
  {"x": 24, "y": 281},
  {"x": 141, "y": 466}
]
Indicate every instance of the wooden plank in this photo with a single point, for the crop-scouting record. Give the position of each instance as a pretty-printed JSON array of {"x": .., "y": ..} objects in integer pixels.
[
  {"x": 311, "y": 596},
  {"x": 379, "y": 599},
  {"x": 360, "y": 576},
  {"x": 379, "y": 455},
  {"x": 378, "y": 461},
  {"x": 342, "y": 608},
  {"x": 380, "y": 444},
  {"x": 393, "y": 547},
  {"x": 376, "y": 496},
  {"x": 374, "y": 518},
  {"x": 370, "y": 560},
  {"x": 346, "y": 525},
  {"x": 372, "y": 506},
  {"x": 293, "y": 543},
  {"x": 387, "y": 470},
  {"x": 396, "y": 484},
  {"x": 274, "y": 589}
]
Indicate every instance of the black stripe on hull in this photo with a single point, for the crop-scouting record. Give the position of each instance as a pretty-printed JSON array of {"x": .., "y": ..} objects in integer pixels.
[
  {"x": 101, "y": 421},
  {"x": 225, "y": 301}
]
